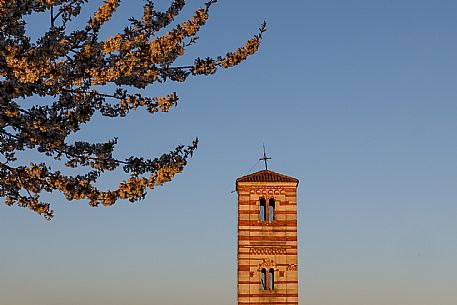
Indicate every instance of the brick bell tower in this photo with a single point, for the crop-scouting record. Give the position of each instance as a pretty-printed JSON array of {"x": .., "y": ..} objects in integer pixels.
[{"x": 267, "y": 239}]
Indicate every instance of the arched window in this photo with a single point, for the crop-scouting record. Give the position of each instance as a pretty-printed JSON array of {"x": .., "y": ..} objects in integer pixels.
[
  {"x": 271, "y": 209},
  {"x": 263, "y": 279},
  {"x": 271, "y": 278},
  {"x": 263, "y": 209}
]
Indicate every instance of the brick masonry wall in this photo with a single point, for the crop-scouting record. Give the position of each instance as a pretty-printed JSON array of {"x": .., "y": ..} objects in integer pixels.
[{"x": 264, "y": 244}]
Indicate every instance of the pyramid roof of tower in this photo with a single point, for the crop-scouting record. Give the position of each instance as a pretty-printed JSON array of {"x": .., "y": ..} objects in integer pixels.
[{"x": 266, "y": 176}]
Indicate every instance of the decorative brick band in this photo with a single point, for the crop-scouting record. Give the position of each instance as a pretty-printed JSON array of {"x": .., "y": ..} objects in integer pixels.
[
  {"x": 292, "y": 267},
  {"x": 267, "y": 251}
]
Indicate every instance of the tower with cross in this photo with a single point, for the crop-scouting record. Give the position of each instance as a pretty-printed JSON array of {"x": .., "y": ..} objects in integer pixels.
[{"x": 267, "y": 238}]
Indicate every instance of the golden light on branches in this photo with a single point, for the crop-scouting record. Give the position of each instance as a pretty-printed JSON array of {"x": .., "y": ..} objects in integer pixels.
[{"x": 70, "y": 68}]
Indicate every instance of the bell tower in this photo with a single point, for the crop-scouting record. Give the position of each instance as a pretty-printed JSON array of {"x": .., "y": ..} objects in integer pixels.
[{"x": 267, "y": 239}]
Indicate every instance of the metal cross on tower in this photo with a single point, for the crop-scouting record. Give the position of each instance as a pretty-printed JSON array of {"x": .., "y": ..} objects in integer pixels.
[{"x": 265, "y": 158}]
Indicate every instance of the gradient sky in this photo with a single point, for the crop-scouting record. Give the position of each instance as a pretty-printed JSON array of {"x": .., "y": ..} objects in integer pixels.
[{"x": 357, "y": 99}]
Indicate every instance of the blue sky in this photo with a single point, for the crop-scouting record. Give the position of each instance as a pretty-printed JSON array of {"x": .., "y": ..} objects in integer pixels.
[{"x": 357, "y": 99}]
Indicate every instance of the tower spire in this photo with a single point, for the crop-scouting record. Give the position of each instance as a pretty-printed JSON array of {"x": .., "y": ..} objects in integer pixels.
[{"x": 265, "y": 158}]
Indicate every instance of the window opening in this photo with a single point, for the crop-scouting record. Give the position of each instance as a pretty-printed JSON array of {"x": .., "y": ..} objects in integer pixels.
[
  {"x": 271, "y": 278},
  {"x": 263, "y": 209},
  {"x": 263, "y": 279},
  {"x": 271, "y": 209}
]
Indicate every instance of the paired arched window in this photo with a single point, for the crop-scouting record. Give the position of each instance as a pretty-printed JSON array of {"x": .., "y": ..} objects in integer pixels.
[
  {"x": 267, "y": 212},
  {"x": 267, "y": 280}
]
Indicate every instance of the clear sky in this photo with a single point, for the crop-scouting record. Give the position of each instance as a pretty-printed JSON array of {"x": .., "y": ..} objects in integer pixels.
[{"x": 356, "y": 98}]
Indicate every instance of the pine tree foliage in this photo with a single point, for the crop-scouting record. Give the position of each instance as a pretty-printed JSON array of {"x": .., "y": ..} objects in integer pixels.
[{"x": 73, "y": 70}]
